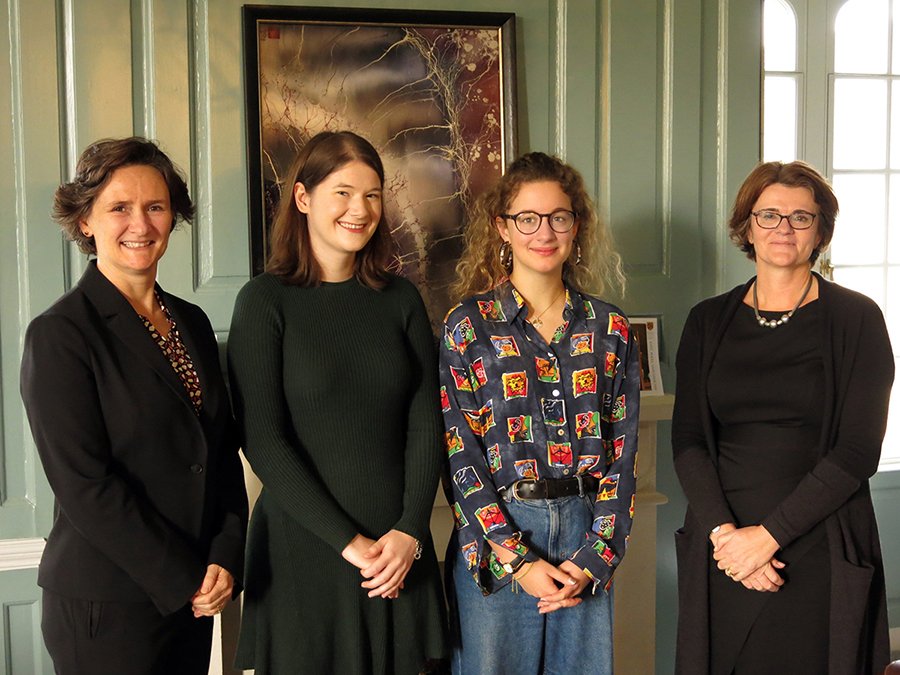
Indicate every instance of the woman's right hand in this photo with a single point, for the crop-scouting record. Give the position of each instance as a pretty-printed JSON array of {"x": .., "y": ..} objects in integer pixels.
[
  {"x": 355, "y": 554},
  {"x": 765, "y": 578},
  {"x": 541, "y": 579}
]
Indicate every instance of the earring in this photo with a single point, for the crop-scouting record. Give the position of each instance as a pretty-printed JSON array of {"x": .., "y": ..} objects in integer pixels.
[
  {"x": 577, "y": 253},
  {"x": 506, "y": 259}
]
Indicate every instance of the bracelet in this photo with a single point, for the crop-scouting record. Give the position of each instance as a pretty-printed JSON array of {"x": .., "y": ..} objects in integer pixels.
[
  {"x": 418, "y": 554},
  {"x": 522, "y": 576}
]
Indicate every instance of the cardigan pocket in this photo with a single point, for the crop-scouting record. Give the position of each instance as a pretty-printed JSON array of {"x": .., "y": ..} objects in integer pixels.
[{"x": 850, "y": 615}]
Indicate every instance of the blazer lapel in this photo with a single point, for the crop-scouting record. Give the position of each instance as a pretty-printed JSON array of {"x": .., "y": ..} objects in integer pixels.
[{"x": 122, "y": 321}]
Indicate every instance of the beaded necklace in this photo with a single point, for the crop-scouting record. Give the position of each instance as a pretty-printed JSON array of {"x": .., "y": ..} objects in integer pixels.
[{"x": 775, "y": 323}]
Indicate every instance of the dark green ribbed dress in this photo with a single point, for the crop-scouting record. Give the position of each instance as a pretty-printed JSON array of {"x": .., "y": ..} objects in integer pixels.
[{"x": 335, "y": 387}]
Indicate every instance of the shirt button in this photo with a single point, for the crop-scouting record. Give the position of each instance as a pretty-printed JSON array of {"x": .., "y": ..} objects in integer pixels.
[
  {"x": 561, "y": 432},
  {"x": 196, "y": 468},
  {"x": 556, "y": 392}
]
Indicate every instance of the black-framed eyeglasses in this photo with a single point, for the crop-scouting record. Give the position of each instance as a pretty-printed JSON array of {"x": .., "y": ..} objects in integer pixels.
[
  {"x": 529, "y": 222},
  {"x": 769, "y": 220}
]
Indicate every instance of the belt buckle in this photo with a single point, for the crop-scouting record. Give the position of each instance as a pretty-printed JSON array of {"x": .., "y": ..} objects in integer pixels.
[
  {"x": 580, "y": 480},
  {"x": 515, "y": 490},
  {"x": 515, "y": 487}
]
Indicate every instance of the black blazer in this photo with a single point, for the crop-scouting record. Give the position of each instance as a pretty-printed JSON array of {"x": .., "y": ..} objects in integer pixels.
[{"x": 147, "y": 493}]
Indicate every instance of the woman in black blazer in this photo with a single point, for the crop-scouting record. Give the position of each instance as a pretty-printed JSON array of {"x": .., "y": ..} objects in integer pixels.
[{"x": 129, "y": 412}]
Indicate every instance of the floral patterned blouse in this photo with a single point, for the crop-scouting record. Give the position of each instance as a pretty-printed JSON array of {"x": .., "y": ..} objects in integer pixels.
[
  {"x": 517, "y": 408},
  {"x": 175, "y": 351}
]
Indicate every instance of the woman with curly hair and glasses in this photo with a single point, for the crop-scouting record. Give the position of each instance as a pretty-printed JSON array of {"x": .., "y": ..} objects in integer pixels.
[{"x": 540, "y": 391}]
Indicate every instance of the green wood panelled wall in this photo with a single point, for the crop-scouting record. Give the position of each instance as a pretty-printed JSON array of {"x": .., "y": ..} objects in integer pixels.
[{"x": 656, "y": 101}]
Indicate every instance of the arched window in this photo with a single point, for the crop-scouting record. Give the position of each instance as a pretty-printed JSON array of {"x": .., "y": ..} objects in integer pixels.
[
  {"x": 842, "y": 114},
  {"x": 781, "y": 82}
]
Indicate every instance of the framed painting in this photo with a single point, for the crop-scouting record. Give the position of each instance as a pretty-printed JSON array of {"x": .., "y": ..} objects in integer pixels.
[{"x": 434, "y": 92}]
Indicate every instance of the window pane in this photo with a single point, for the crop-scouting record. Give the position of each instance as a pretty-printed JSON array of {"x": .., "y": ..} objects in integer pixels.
[
  {"x": 895, "y": 124},
  {"x": 859, "y": 231},
  {"x": 892, "y": 316},
  {"x": 893, "y": 242},
  {"x": 780, "y": 118},
  {"x": 779, "y": 36},
  {"x": 895, "y": 51},
  {"x": 867, "y": 280},
  {"x": 860, "y": 123},
  {"x": 861, "y": 37}
]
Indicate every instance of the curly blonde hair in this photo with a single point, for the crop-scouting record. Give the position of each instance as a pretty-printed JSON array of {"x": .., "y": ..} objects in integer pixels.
[{"x": 480, "y": 268}]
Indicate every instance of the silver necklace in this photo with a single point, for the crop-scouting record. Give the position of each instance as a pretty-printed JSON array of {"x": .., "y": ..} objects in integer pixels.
[{"x": 774, "y": 323}]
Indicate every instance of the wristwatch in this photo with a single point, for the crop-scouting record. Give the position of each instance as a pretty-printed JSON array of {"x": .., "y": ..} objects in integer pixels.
[{"x": 514, "y": 565}]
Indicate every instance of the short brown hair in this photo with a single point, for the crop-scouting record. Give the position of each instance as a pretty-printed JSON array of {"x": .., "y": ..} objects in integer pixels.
[
  {"x": 290, "y": 253},
  {"x": 792, "y": 174},
  {"x": 73, "y": 201}
]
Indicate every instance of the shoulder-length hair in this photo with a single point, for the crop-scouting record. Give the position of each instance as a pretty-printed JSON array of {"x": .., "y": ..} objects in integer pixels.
[
  {"x": 290, "y": 252},
  {"x": 73, "y": 201},
  {"x": 480, "y": 267},
  {"x": 792, "y": 174}
]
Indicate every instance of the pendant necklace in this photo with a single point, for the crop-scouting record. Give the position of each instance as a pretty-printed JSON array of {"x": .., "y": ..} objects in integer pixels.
[
  {"x": 536, "y": 320},
  {"x": 775, "y": 323}
]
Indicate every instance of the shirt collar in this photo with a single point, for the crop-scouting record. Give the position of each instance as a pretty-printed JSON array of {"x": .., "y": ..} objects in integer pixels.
[{"x": 512, "y": 303}]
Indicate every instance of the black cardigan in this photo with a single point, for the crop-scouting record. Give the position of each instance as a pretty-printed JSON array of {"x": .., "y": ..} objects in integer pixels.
[{"x": 859, "y": 371}]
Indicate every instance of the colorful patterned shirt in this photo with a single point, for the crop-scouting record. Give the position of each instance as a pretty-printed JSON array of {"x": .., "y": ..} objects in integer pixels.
[{"x": 517, "y": 408}]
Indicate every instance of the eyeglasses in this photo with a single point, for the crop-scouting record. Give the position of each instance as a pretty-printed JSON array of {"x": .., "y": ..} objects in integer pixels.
[
  {"x": 769, "y": 220},
  {"x": 529, "y": 222}
]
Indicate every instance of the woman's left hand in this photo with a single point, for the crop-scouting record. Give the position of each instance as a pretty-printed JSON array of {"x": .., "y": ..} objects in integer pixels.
[
  {"x": 743, "y": 551},
  {"x": 392, "y": 556},
  {"x": 214, "y": 593},
  {"x": 567, "y": 596}
]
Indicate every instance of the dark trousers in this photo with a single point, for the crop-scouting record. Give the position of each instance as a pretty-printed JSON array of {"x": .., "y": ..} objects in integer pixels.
[{"x": 86, "y": 637}]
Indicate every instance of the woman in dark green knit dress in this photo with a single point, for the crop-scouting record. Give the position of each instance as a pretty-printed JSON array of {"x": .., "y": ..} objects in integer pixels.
[{"x": 333, "y": 374}]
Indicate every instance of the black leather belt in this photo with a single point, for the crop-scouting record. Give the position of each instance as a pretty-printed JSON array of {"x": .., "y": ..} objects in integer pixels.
[{"x": 551, "y": 488}]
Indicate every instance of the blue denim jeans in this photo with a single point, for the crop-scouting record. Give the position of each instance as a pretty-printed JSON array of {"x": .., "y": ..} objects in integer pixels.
[{"x": 503, "y": 634}]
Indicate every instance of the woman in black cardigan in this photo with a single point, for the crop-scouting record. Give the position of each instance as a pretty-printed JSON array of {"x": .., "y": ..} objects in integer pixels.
[{"x": 781, "y": 408}]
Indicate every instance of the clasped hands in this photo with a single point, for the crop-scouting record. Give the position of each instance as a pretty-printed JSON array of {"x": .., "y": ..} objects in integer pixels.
[
  {"x": 214, "y": 593},
  {"x": 554, "y": 587},
  {"x": 746, "y": 555},
  {"x": 384, "y": 563}
]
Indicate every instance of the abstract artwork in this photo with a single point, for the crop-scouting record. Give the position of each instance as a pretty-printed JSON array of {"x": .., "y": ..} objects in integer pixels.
[{"x": 432, "y": 91}]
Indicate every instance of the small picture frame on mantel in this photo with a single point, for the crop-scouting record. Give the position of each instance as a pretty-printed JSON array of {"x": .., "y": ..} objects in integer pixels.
[{"x": 646, "y": 335}]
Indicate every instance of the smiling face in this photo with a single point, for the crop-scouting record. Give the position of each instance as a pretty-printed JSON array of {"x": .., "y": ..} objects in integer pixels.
[
  {"x": 342, "y": 214},
  {"x": 784, "y": 247},
  {"x": 543, "y": 252},
  {"x": 130, "y": 221}
]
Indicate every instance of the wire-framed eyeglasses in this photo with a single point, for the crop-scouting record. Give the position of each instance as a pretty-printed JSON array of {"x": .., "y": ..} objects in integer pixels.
[
  {"x": 769, "y": 220},
  {"x": 529, "y": 222}
]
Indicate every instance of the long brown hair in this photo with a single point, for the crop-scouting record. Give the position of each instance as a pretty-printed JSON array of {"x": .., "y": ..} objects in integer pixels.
[
  {"x": 480, "y": 268},
  {"x": 792, "y": 174},
  {"x": 290, "y": 253}
]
